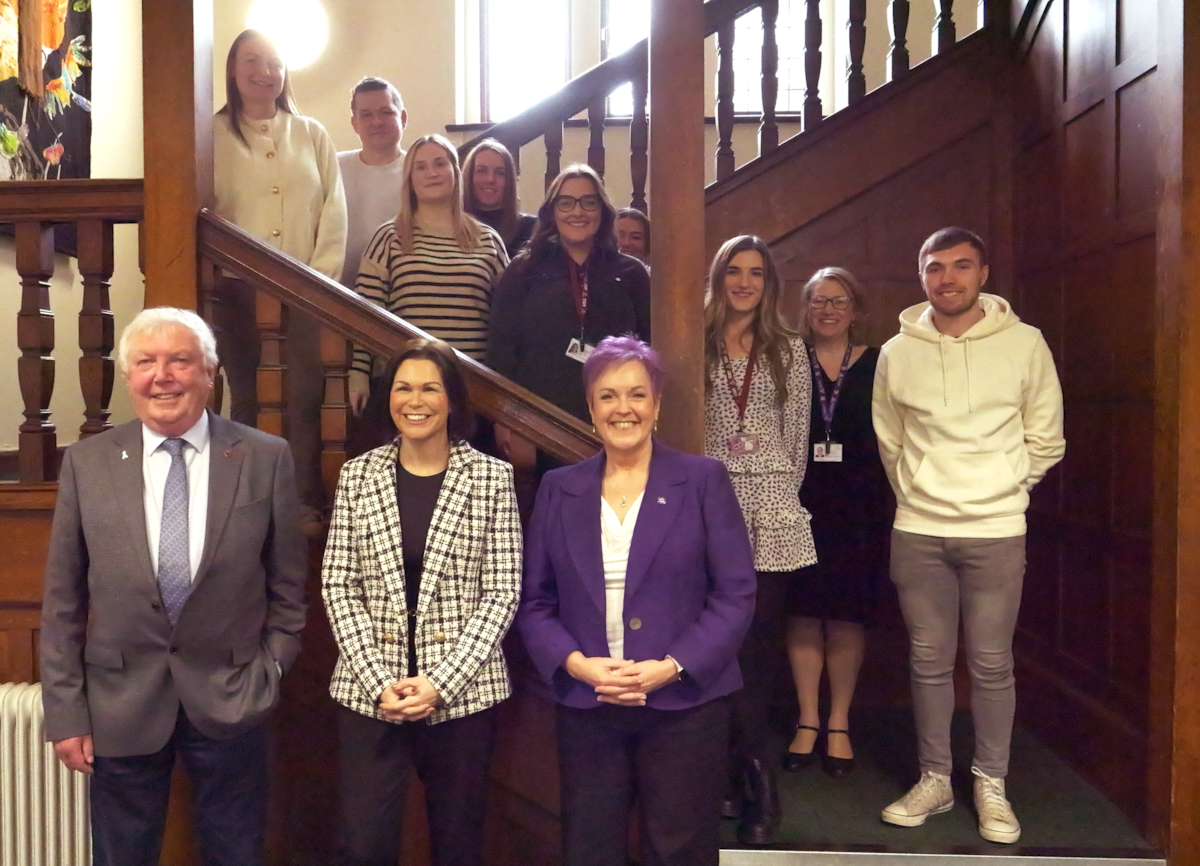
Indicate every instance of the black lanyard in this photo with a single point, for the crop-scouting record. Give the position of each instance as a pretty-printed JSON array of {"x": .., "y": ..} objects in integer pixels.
[
  {"x": 741, "y": 396},
  {"x": 828, "y": 405}
]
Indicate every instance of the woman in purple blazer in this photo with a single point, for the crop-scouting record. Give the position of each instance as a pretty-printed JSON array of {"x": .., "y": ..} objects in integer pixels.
[{"x": 639, "y": 586}]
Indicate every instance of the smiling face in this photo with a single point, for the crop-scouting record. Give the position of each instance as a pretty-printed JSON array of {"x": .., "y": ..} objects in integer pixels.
[
  {"x": 489, "y": 179},
  {"x": 577, "y": 227},
  {"x": 828, "y": 322},
  {"x": 258, "y": 71},
  {"x": 744, "y": 282},
  {"x": 419, "y": 406},
  {"x": 952, "y": 279},
  {"x": 631, "y": 237},
  {"x": 377, "y": 121},
  {"x": 168, "y": 382},
  {"x": 432, "y": 174},
  {"x": 623, "y": 406}
]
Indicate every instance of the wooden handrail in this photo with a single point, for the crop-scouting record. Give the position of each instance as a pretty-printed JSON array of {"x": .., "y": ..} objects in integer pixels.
[
  {"x": 580, "y": 93},
  {"x": 69, "y": 201},
  {"x": 382, "y": 333}
]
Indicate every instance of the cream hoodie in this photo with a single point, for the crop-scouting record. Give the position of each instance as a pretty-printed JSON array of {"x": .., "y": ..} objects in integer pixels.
[{"x": 966, "y": 425}]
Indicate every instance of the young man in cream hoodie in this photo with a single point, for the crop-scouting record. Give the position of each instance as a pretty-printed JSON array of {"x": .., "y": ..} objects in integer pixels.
[{"x": 968, "y": 411}]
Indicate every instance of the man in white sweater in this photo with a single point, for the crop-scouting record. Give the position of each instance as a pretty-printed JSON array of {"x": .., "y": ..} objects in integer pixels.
[
  {"x": 373, "y": 174},
  {"x": 968, "y": 411}
]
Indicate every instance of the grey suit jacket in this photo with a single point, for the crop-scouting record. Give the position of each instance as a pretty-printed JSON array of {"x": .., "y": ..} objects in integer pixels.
[{"x": 112, "y": 665}]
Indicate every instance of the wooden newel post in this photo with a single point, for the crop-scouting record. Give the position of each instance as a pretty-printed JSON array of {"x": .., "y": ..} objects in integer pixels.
[{"x": 677, "y": 188}]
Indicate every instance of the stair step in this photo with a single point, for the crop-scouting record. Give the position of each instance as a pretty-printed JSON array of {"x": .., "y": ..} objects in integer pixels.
[{"x": 983, "y": 857}]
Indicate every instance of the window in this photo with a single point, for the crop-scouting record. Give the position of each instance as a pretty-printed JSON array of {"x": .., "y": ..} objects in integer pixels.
[
  {"x": 747, "y": 59},
  {"x": 624, "y": 22},
  {"x": 526, "y": 53}
]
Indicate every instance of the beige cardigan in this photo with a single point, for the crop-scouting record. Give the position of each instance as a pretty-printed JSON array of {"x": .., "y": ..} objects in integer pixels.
[{"x": 285, "y": 189}]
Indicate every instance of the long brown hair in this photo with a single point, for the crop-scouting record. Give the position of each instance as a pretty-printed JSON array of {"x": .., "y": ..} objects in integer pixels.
[
  {"x": 772, "y": 335},
  {"x": 545, "y": 235},
  {"x": 510, "y": 212},
  {"x": 234, "y": 106},
  {"x": 858, "y": 302},
  {"x": 467, "y": 230}
]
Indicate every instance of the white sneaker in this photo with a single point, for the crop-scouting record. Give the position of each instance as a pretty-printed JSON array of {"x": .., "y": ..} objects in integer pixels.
[
  {"x": 932, "y": 795},
  {"x": 997, "y": 823}
]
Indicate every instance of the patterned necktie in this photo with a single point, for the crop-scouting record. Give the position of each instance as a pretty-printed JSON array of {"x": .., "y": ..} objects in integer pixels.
[{"x": 174, "y": 569}]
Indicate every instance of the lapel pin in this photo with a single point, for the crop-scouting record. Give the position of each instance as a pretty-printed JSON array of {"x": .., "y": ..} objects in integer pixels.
[
  {"x": 228, "y": 453},
  {"x": 124, "y": 455},
  {"x": 662, "y": 501}
]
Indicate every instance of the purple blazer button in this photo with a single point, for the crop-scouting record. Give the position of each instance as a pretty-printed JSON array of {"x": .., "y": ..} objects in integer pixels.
[{"x": 635, "y": 623}]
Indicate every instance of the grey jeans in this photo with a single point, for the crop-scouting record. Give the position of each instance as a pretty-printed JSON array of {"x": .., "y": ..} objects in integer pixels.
[{"x": 982, "y": 577}]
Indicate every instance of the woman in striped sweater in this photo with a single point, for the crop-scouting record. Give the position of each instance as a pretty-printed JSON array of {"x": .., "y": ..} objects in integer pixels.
[{"x": 435, "y": 265}]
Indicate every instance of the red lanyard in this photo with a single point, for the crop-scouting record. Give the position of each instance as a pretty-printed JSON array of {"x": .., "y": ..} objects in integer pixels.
[
  {"x": 740, "y": 396},
  {"x": 579, "y": 287}
]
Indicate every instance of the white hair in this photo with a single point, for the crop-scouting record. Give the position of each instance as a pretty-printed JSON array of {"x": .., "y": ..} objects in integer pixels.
[{"x": 152, "y": 320}]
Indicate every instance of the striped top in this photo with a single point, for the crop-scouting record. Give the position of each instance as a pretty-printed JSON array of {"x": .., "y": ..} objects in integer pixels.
[{"x": 438, "y": 287}]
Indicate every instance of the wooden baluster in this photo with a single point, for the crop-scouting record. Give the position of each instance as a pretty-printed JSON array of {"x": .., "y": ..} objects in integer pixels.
[
  {"x": 725, "y": 86},
  {"x": 943, "y": 27},
  {"x": 856, "y": 81},
  {"x": 639, "y": 140},
  {"x": 812, "y": 64},
  {"x": 95, "y": 238},
  {"x": 768, "y": 130},
  {"x": 596, "y": 115},
  {"x": 554, "y": 143},
  {"x": 37, "y": 440},
  {"x": 898, "y": 52},
  {"x": 208, "y": 276},
  {"x": 271, "y": 384},
  {"x": 335, "y": 410}
]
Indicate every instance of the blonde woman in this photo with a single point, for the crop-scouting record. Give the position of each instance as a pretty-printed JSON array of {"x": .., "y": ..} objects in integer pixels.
[
  {"x": 758, "y": 392},
  {"x": 435, "y": 265}
]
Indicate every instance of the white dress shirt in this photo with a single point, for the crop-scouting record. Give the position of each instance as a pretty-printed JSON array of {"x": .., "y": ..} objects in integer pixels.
[
  {"x": 155, "y": 466},
  {"x": 615, "y": 538}
]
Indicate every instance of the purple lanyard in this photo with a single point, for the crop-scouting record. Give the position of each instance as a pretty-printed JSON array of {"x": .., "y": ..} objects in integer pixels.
[{"x": 828, "y": 404}]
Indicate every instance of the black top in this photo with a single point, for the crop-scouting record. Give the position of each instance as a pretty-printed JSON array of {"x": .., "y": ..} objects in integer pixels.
[
  {"x": 855, "y": 491},
  {"x": 526, "y": 223},
  {"x": 416, "y": 497},
  {"x": 534, "y": 318}
]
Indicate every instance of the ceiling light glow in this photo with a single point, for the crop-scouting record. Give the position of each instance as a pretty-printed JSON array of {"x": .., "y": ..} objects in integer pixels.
[{"x": 299, "y": 27}]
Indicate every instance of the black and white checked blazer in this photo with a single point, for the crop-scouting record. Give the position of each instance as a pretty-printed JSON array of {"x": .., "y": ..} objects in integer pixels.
[{"x": 470, "y": 585}]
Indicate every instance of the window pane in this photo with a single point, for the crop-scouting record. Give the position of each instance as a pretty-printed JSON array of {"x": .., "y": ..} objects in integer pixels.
[
  {"x": 747, "y": 59},
  {"x": 628, "y": 23},
  {"x": 528, "y": 53}
]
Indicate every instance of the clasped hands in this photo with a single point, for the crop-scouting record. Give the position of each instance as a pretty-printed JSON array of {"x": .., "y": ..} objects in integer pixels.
[
  {"x": 620, "y": 681},
  {"x": 409, "y": 700}
]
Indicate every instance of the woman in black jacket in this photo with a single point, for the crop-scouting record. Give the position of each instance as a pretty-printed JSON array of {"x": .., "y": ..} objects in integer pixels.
[{"x": 566, "y": 292}]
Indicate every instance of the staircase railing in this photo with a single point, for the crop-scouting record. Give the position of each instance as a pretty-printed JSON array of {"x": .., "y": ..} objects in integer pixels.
[
  {"x": 91, "y": 208},
  {"x": 589, "y": 92}
]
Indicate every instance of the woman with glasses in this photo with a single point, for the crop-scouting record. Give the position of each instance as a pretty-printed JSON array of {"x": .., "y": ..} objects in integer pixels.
[
  {"x": 567, "y": 291},
  {"x": 758, "y": 389},
  {"x": 848, "y": 494}
]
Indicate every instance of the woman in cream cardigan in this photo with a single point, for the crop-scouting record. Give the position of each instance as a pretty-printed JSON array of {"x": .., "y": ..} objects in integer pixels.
[{"x": 276, "y": 176}]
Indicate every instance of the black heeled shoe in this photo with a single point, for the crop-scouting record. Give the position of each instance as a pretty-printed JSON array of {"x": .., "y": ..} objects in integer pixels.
[
  {"x": 837, "y": 767},
  {"x": 794, "y": 762}
]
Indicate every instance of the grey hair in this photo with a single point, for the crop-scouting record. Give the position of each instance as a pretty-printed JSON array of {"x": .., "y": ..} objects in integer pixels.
[{"x": 155, "y": 319}]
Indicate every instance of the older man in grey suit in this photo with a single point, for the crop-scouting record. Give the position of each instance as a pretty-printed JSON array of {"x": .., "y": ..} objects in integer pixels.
[{"x": 174, "y": 599}]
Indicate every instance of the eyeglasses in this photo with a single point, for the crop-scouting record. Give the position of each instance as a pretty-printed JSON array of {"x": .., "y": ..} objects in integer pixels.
[
  {"x": 841, "y": 302},
  {"x": 566, "y": 203}
]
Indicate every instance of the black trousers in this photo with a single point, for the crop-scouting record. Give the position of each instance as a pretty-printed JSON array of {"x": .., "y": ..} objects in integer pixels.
[
  {"x": 450, "y": 758},
  {"x": 762, "y": 653},
  {"x": 229, "y": 796},
  {"x": 672, "y": 761}
]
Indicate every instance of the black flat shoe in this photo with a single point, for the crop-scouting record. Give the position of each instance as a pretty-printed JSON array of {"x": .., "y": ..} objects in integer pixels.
[
  {"x": 837, "y": 767},
  {"x": 794, "y": 762},
  {"x": 761, "y": 812}
]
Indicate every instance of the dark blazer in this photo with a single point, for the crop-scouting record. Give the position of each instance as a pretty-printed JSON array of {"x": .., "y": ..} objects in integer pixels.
[
  {"x": 112, "y": 665},
  {"x": 689, "y": 586},
  {"x": 534, "y": 318}
]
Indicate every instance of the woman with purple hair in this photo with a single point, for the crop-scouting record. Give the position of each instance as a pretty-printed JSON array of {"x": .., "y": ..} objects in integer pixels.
[{"x": 639, "y": 586}]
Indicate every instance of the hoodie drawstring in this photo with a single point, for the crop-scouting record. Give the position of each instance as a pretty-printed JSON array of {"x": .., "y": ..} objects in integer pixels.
[
  {"x": 967, "y": 356},
  {"x": 945, "y": 386},
  {"x": 967, "y": 361}
]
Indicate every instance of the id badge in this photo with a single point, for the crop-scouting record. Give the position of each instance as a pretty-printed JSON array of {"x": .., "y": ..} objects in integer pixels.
[
  {"x": 827, "y": 452},
  {"x": 579, "y": 351},
  {"x": 744, "y": 444}
]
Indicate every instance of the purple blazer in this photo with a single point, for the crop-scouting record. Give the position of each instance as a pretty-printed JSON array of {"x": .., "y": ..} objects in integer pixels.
[{"x": 689, "y": 586}]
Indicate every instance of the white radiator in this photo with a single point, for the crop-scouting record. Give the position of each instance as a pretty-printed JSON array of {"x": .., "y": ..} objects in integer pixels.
[{"x": 43, "y": 805}]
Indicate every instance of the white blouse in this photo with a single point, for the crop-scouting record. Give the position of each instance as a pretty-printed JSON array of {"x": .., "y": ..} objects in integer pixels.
[{"x": 615, "y": 538}]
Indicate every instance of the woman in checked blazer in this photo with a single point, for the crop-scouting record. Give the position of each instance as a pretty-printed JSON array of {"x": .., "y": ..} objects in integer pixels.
[{"x": 422, "y": 575}]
